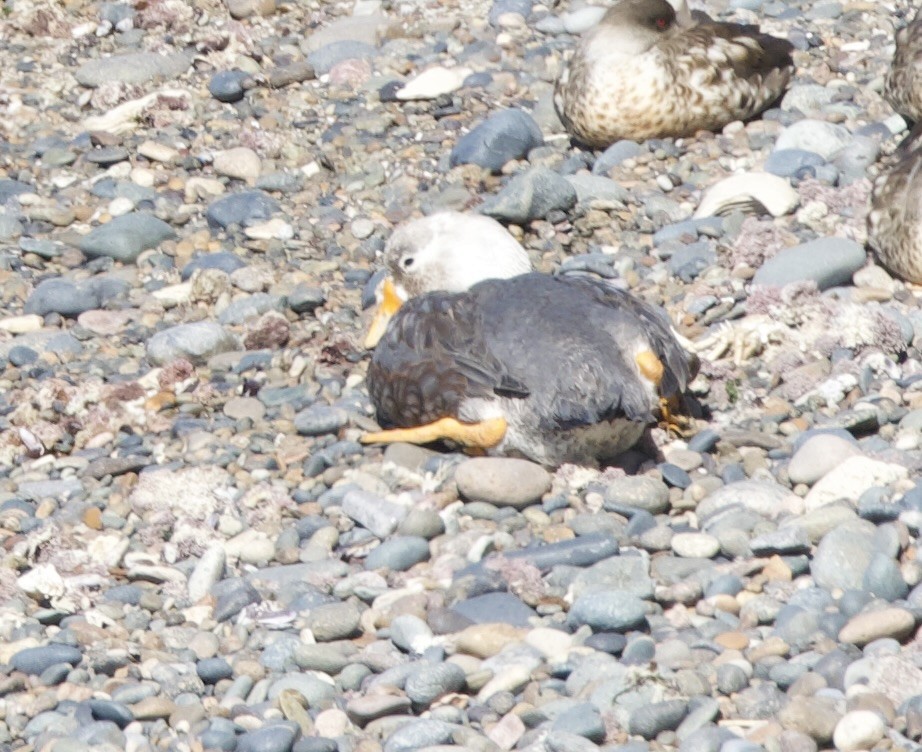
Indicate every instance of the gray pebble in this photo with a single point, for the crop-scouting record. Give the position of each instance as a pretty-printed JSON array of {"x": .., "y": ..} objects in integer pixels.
[
  {"x": 821, "y": 137},
  {"x": 398, "y": 553},
  {"x": 34, "y": 661},
  {"x": 637, "y": 492},
  {"x": 609, "y": 611},
  {"x": 250, "y": 307},
  {"x": 305, "y": 298},
  {"x": 234, "y": 595},
  {"x": 531, "y": 195},
  {"x": 419, "y": 733},
  {"x": 502, "y": 481},
  {"x": 317, "y": 420},
  {"x": 503, "y": 608},
  {"x": 243, "y": 209},
  {"x": 276, "y": 738},
  {"x": 334, "y": 621},
  {"x": 132, "y": 68},
  {"x": 212, "y": 670},
  {"x": 614, "y": 155},
  {"x": 195, "y": 342},
  {"x": 843, "y": 555},
  {"x": 788, "y": 162},
  {"x": 223, "y": 260},
  {"x": 578, "y": 552},
  {"x": 650, "y": 719},
  {"x": 582, "y": 719},
  {"x": 884, "y": 579},
  {"x": 125, "y": 237},
  {"x": 430, "y": 682},
  {"x": 372, "y": 512},
  {"x": 731, "y": 679},
  {"x": 505, "y": 135},
  {"x": 227, "y": 86},
  {"x": 827, "y": 261}
]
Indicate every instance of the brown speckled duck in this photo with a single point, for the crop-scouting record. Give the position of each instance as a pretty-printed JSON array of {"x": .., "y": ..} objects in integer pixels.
[
  {"x": 895, "y": 219},
  {"x": 903, "y": 84},
  {"x": 554, "y": 369},
  {"x": 646, "y": 72}
]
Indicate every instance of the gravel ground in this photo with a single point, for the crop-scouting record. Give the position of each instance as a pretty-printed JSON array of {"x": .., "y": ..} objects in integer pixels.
[{"x": 197, "y": 552}]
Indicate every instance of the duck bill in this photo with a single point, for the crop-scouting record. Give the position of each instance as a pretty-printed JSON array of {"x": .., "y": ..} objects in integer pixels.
[{"x": 389, "y": 305}]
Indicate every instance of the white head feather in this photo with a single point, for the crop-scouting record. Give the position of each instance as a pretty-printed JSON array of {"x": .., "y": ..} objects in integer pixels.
[{"x": 452, "y": 251}]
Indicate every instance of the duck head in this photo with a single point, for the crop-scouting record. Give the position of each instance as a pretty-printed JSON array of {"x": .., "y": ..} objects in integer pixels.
[
  {"x": 448, "y": 251},
  {"x": 637, "y": 25}
]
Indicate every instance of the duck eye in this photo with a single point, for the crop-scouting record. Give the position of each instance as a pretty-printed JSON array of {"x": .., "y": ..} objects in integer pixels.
[
  {"x": 408, "y": 262},
  {"x": 661, "y": 22}
]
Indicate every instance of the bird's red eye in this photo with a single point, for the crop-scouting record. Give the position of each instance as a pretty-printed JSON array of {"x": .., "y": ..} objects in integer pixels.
[{"x": 662, "y": 22}]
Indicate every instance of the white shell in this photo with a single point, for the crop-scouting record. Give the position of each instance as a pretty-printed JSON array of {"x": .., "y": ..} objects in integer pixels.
[
  {"x": 747, "y": 191},
  {"x": 433, "y": 83}
]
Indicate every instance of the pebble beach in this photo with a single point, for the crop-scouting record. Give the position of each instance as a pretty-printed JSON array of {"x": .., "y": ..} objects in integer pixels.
[{"x": 199, "y": 554}]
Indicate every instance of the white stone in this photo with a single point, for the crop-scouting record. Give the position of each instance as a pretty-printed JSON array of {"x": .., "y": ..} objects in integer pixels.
[
  {"x": 250, "y": 546},
  {"x": 241, "y": 163},
  {"x": 207, "y": 572},
  {"x": 108, "y": 549},
  {"x": 748, "y": 190},
  {"x": 174, "y": 295},
  {"x": 202, "y": 188},
  {"x": 157, "y": 152},
  {"x": 695, "y": 545},
  {"x": 852, "y": 478},
  {"x": 433, "y": 83},
  {"x": 29, "y": 322},
  {"x": 858, "y": 729},
  {"x": 119, "y": 206},
  {"x": 273, "y": 229},
  {"x": 818, "y": 455},
  {"x": 42, "y": 581}
]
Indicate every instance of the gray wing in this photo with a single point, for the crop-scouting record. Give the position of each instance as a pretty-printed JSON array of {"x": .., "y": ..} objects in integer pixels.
[
  {"x": 572, "y": 340},
  {"x": 433, "y": 357}
]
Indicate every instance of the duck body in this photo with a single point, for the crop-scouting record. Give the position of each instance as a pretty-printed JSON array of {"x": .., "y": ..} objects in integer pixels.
[
  {"x": 895, "y": 219},
  {"x": 903, "y": 84},
  {"x": 555, "y": 357},
  {"x": 641, "y": 73}
]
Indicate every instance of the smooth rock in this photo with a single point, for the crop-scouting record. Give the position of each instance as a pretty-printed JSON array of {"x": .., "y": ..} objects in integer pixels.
[
  {"x": 505, "y": 135},
  {"x": 826, "y": 261},
  {"x": 819, "y": 455},
  {"x": 897, "y": 623},
  {"x": 195, "y": 342},
  {"x": 132, "y": 68},
  {"x": 398, "y": 553},
  {"x": 503, "y": 481},
  {"x": 821, "y": 137},
  {"x": 608, "y": 611},
  {"x": 531, "y": 195},
  {"x": 859, "y": 729},
  {"x": 125, "y": 237}
]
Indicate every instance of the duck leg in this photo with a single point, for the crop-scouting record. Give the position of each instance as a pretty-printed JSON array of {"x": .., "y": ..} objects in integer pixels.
[
  {"x": 482, "y": 435},
  {"x": 652, "y": 368}
]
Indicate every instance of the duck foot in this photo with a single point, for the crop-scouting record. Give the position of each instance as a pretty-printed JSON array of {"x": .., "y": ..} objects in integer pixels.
[
  {"x": 482, "y": 435},
  {"x": 678, "y": 425}
]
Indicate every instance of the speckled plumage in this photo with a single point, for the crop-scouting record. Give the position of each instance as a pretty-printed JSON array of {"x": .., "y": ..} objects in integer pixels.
[
  {"x": 895, "y": 220},
  {"x": 642, "y": 73},
  {"x": 554, "y": 356},
  {"x": 903, "y": 84}
]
